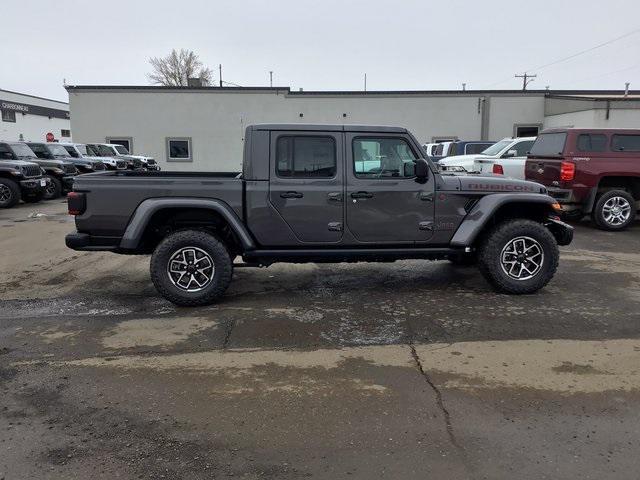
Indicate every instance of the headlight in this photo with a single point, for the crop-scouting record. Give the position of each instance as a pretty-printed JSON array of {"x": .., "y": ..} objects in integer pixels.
[{"x": 17, "y": 172}]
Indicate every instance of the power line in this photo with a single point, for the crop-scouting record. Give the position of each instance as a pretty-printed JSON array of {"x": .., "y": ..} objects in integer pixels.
[
  {"x": 604, "y": 44},
  {"x": 572, "y": 56}
]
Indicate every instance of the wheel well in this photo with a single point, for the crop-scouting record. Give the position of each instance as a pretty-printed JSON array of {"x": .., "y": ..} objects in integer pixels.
[
  {"x": 629, "y": 184},
  {"x": 7, "y": 176},
  {"x": 537, "y": 212},
  {"x": 169, "y": 220}
]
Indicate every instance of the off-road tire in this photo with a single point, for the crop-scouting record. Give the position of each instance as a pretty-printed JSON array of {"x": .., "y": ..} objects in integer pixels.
[
  {"x": 490, "y": 251},
  {"x": 33, "y": 198},
  {"x": 12, "y": 190},
  {"x": 53, "y": 189},
  {"x": 212, "y": 246},
  {"x": 598, "y": 210}
]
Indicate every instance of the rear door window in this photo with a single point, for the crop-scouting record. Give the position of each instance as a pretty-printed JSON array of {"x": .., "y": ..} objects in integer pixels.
[
  {"x": 589, "y": 142},
  {"x": 549, "y": 145},
  {"x": 306, "y": 157},
  {"x": 626, "y": 143}
]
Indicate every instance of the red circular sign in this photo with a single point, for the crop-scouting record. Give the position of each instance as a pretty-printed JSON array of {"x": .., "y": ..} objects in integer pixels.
[{"x": 50, "y": 137}]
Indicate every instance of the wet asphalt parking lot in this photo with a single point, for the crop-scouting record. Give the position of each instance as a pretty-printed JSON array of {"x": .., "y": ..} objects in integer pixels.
[{"x": 402, "y": 370}]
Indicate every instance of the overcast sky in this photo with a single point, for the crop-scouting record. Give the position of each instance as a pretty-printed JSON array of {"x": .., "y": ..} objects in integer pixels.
[{"x": 322, "y": 45}]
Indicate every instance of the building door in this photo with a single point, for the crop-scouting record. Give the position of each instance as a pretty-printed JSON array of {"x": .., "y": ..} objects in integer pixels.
[
  {"x": 384, "y": 201},
  {"x": 306, "y": 185}
]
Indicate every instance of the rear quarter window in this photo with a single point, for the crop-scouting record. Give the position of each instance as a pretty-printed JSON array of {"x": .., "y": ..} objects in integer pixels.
[
  {"x": 588, "y": 142},
  {"x": 549, "y": 145}
]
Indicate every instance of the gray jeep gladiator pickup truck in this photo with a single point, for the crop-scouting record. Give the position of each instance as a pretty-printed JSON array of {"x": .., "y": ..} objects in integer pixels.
[{"x": 318, "y": 193}]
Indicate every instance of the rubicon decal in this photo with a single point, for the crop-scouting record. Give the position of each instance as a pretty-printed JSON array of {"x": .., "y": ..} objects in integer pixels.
[{"x": 509, "y": 187}]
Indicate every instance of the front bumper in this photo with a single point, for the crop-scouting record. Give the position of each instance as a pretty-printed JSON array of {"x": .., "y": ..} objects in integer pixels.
[
  {"x": 562, "y": 232},
  {"x": 85, "y": 242},
  {"x": 33, "y": 186},
  {"x": 67, "y": 183}
]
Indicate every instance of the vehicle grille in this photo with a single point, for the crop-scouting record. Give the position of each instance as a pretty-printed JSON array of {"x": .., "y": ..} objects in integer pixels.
[
  {"x": 121, "y": 164},
  {"x": 31, "y": 171},
  {"x": 69, "y": 168},
  {"x": 98, "y": 166}
]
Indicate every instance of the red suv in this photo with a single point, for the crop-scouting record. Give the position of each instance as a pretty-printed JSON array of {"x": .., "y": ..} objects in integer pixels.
[{"x": 590, "y": 171}]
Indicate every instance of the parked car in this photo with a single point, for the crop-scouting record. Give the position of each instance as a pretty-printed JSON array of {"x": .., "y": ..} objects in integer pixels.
[
  {"x": 440, "y": 151},
  {"x": 297, "y": 201},
  {"x": 19, "y": 179},
  {"x": 83, "y": 162},
  {"x": 460, "y": 147},
  {"x": 590, "y": 171},
  {"x": 430, "y": 148},
  {"x": 506, "y": 157},
  {"x": 149, "y": 163},
  {"x": 54, "y": 159},
  {"x": 104, "y": 154}
]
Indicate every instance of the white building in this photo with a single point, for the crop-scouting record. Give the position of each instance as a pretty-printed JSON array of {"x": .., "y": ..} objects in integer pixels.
[
  {"x": 30, "y": 118},
  {"x": 202, "y": 128}
]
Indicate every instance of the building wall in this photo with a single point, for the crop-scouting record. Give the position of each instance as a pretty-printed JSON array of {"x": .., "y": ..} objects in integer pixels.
[
  {"x": 596, "y": 118},
  {"x": 31, "y": 127},
  {"x": 215, "y": 119}
]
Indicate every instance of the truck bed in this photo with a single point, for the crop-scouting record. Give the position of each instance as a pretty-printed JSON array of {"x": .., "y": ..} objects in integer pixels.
[{"x": 113, "y": 196}]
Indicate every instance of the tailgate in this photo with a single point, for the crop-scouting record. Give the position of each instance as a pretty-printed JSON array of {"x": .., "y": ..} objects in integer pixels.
[
  {"x": 484, "y": 165},
  {"x": 544, "y": 170}
]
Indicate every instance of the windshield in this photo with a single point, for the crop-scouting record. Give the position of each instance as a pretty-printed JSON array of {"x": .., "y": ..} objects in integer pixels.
[
  {"x": 39, "y": 149},
  {"x": 22, "y": 151},
  {"x": 495, "y": 149},
  {"x": 121, "y": 149},
  {"x": 103, "y": 150},
  {"x": 82, "y": 149},
  {"x": 93, "y": 150},
  {"x": 58, "y": 150}
]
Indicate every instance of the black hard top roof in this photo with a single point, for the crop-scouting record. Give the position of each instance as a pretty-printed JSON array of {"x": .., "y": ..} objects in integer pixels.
[{"x": 328, "y": 128}]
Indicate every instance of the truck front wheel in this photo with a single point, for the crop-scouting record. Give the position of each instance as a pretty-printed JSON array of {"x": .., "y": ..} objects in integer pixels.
[
  {"x": 191, "y": 268},
  {"x": 518, "y": 256},
  {"x": 53, "y": 189},
  {"x": 9, "y": 193}
]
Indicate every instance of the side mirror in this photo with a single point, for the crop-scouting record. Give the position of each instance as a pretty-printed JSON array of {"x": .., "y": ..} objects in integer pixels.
[
  {"x": 510, "y": 154},
  {"x": 421, "y": 168}
]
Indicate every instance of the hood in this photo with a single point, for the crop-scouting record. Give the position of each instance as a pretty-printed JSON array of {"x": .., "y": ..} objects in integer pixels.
[
  {"x": 490, "y": 183},
  {"x": 15, "y": 163},
  {"x": 460, "y": 160},
  {"x": 47, "y": 162}
]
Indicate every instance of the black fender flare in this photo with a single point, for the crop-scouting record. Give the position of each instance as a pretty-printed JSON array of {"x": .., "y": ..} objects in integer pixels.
[
  {"x": 143, "y": 213},
  {"x": 484, "y": 210}
]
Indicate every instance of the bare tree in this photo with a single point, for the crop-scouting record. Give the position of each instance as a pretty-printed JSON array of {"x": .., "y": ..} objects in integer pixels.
[{"x": 177, "y": 67}]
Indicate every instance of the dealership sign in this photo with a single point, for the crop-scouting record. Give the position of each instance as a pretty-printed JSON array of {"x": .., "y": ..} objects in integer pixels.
[{"x": 25, "y": 109}]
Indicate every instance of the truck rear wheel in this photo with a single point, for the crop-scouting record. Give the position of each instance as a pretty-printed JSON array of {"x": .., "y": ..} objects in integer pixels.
[
  {"x": 518, "y": 256},
  {"x": 614, "y": 210},
  {"x": 191, "y": 268},
  {"x": 9, "y": 193}
]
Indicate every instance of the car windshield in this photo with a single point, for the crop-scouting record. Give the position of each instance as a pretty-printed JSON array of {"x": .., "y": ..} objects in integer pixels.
[
  {"x": 121, "y": 149},
  {"x": 22, "y": 151},
  {"x": 496, "y": 148},
  {"x": 82, "y": 149},
  {"x": 104, "y": 151},
  {"x": 58, "y": 150}
]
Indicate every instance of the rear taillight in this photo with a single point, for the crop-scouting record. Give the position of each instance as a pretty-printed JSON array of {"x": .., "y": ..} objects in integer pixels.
[
  {"x": 76, "y": 203},
  {"x": 567, "y": 171},
  {"x": 497, "y": 169}
]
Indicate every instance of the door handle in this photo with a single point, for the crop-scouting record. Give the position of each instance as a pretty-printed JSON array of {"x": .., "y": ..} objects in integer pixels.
[
  {"x": 334, "y": 196},
  {"x": 361, "y": 195},
  {"x": 426, "y": 197},
  {"x": 291, "y": 195}
]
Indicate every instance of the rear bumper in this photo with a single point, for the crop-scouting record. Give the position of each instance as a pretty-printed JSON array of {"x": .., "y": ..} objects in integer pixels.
[
  {"x": 574, "y": 199},
  {"x": 85, "y": 242}
]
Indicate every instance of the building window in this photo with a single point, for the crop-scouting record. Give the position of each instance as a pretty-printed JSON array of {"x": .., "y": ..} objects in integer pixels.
[
  {"x": 526, "y": 130},
  {"x": 65, "y": 133},
  {"x": 304, "y": 157},
  {"x": 126, "y": 142},
  {"x": 9, "y": 116},
  {"x": 382, "y": 157},
  {"x": 179, "y": 149}
]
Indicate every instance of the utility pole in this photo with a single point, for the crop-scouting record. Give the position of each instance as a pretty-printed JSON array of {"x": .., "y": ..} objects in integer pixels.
[
  {"x": 526, "y": 79},
  {"x": 220, "y": 70},
  {"x": 365, "y": 82},
  {"x": 464, "y": 87},
  {"x": 271, "y": 78}
]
